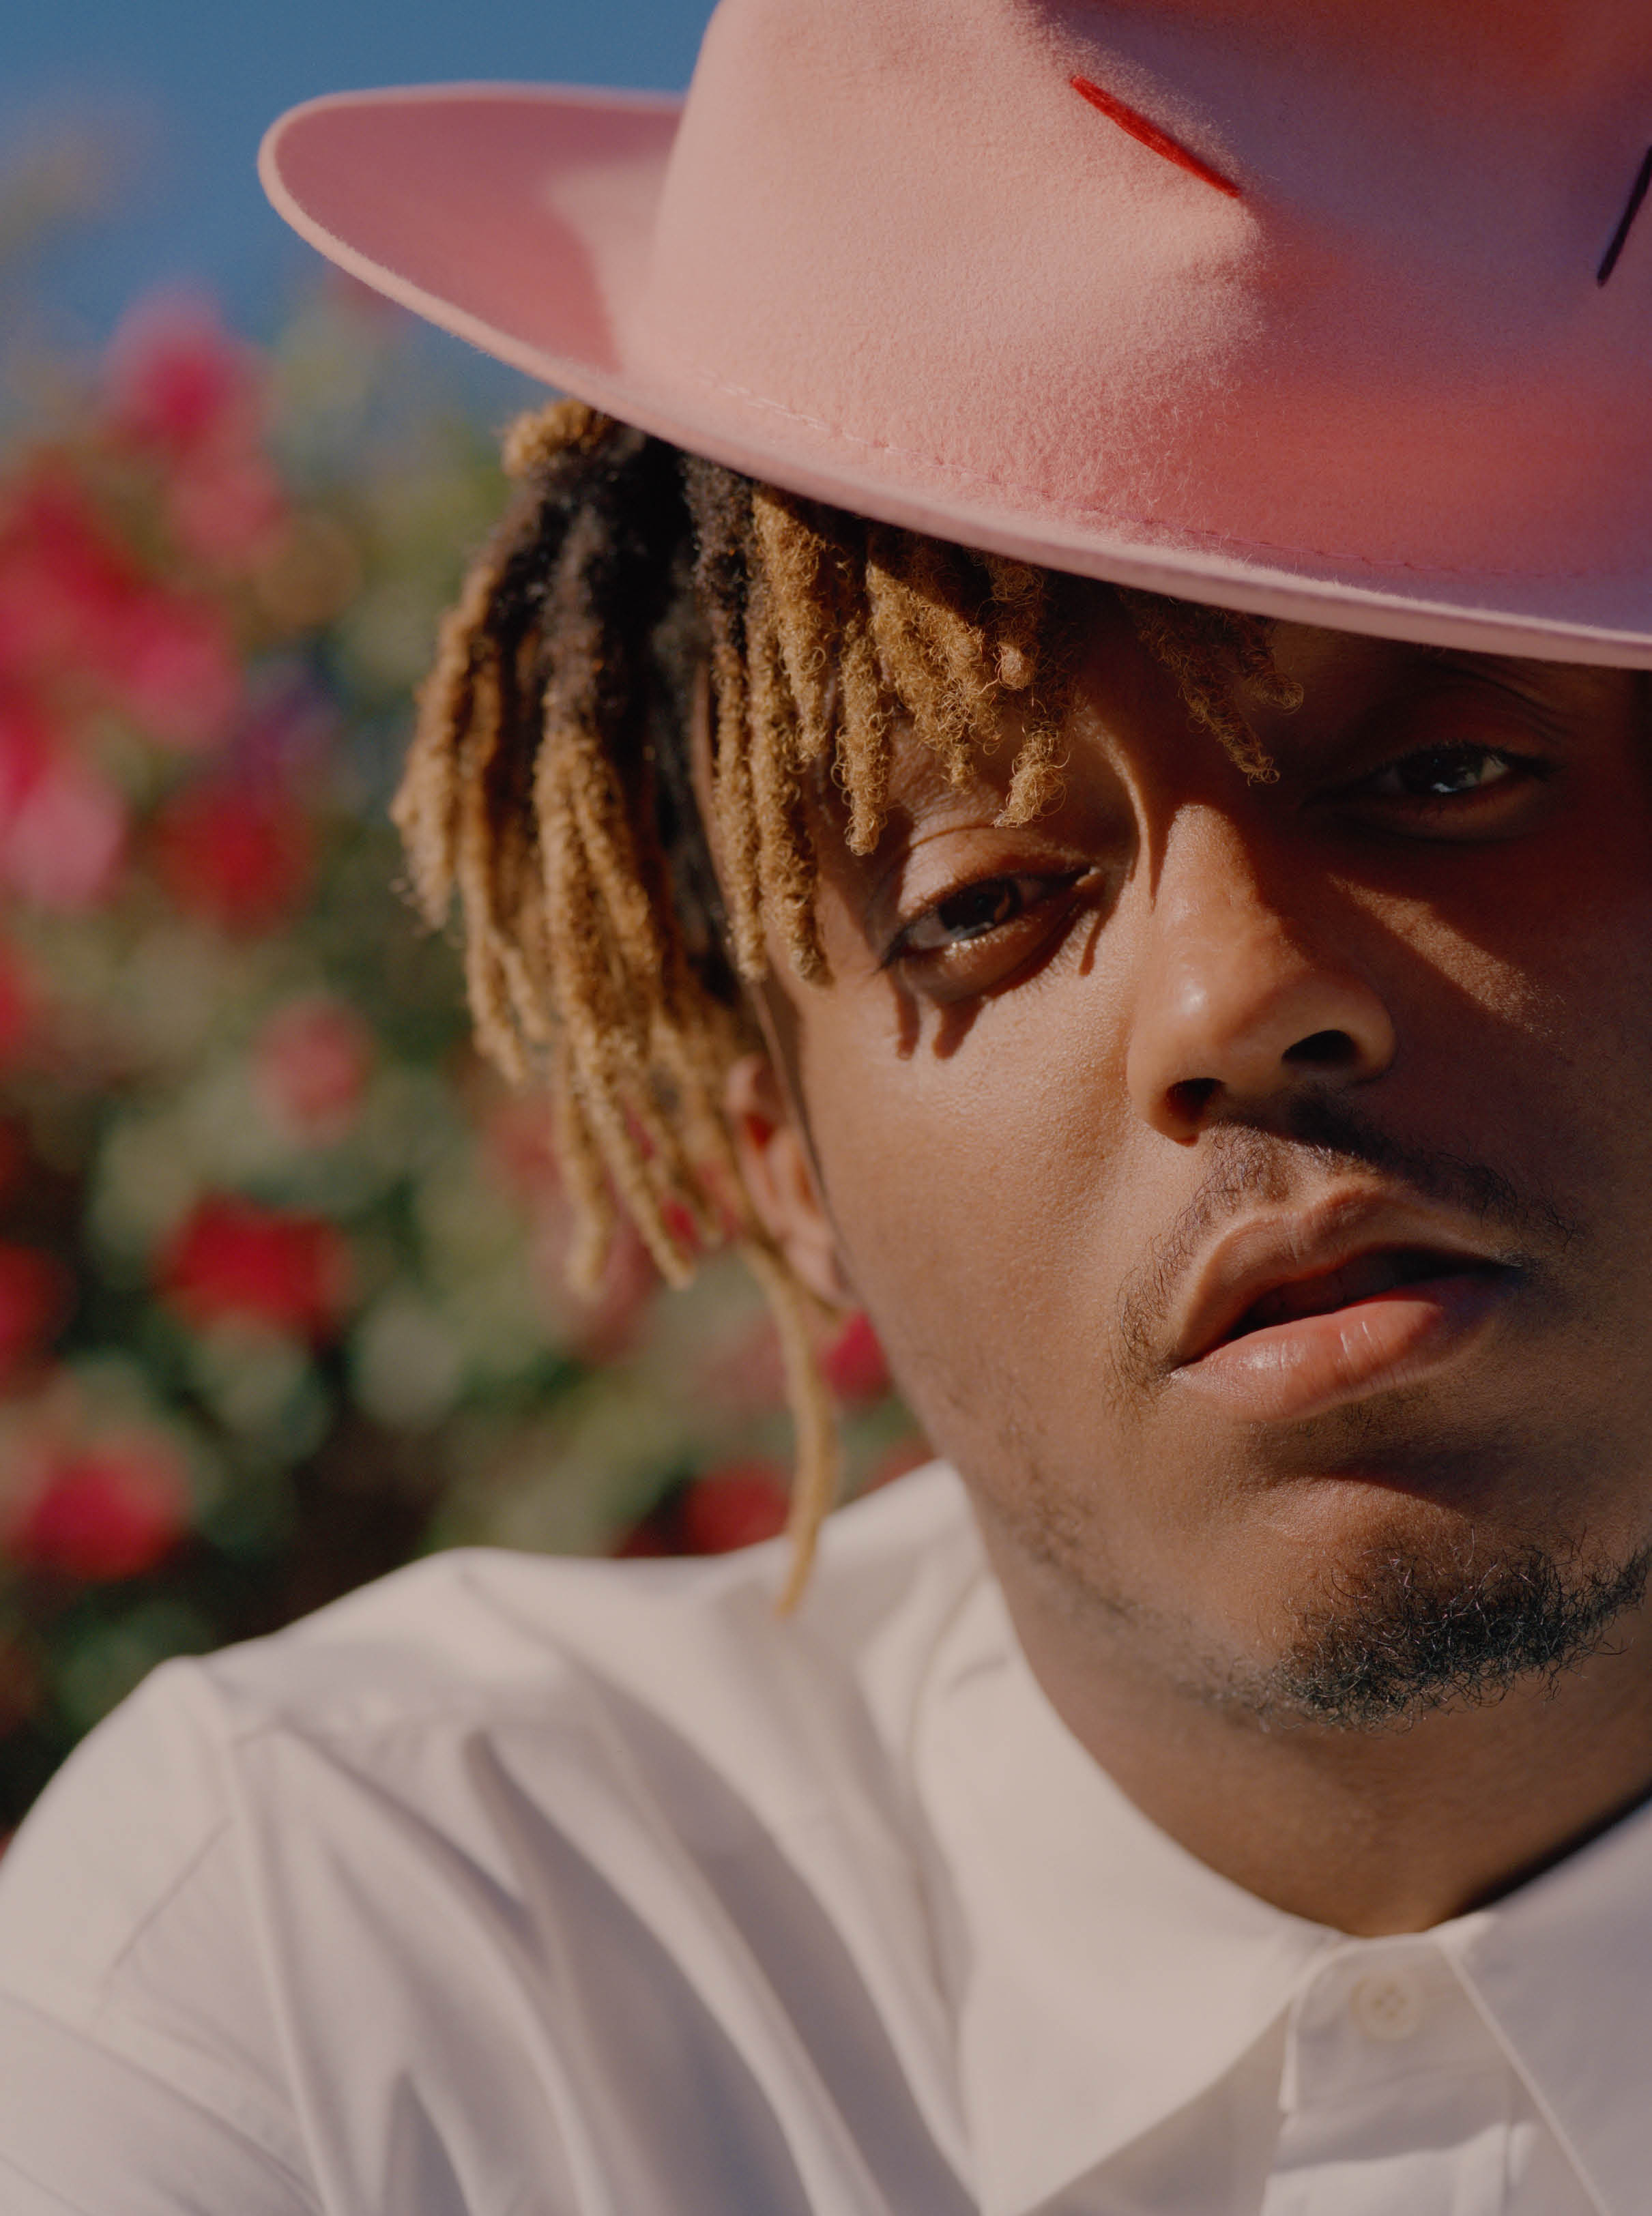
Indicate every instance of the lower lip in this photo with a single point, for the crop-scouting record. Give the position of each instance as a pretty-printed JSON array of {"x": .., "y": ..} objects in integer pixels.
[{"x": 1301, "y": 1368}]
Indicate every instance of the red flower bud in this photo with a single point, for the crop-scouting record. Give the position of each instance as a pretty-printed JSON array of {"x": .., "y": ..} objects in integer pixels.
[
  {"x": 737, "y": 1505},
  {"x": 35, "y": 1291},
  {"x": 853, "y": 1363},
  {"x": 311, "y": 1067},
  {"x": 100, "y": 1512},
  {"x": 238, "y": 857},
  {"x": 233, "y": 1261}
]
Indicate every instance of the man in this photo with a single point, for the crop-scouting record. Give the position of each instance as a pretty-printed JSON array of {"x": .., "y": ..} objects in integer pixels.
[{"x": 1054, "y": 745}]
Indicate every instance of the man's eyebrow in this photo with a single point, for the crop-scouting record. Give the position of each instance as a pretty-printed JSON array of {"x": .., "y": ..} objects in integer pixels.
[
  {"x": 920, "y": 781},
  {"x": 1520, "y": 675}
]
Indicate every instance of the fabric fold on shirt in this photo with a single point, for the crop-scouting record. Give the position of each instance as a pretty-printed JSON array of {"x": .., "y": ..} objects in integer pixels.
[{"x": 598, "y": 1888}]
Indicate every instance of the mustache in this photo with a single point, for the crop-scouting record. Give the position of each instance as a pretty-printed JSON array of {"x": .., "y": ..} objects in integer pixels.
[{"x": 1317, "y": 1135}]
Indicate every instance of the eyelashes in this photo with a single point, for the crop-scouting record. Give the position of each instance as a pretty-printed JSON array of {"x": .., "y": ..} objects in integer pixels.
[
  {"x": 1005, "y": 909},
  {"x": 983, "y": 911}
]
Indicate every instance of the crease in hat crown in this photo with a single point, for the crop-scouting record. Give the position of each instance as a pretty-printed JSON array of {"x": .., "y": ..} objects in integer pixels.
[{"x": 893, "y": 254}]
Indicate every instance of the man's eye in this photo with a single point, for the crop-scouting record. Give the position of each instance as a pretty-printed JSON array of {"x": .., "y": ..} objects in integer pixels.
[
  {"x": 975, "y": 912},
  {"x": 1443, "y": 773}
]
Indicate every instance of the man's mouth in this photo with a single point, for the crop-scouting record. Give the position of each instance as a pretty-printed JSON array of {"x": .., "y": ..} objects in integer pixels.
[
  {"x": 1363, "y": 1278},
  {"x": 1288, "y": 1322}
]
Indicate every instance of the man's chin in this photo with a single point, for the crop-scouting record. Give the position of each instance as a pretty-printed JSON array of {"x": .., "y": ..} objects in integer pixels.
[{"x": 1403, "y": 1630}]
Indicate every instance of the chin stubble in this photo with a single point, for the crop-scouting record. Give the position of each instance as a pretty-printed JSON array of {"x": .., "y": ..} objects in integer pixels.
[{"x": 1403, "y": 1634}]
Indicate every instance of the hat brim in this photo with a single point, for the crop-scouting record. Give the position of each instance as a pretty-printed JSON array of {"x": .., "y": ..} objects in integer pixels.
[{"x": 519, "y": 218}]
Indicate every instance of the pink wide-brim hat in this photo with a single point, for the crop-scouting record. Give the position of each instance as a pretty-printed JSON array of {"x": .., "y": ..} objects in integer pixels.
[{"x": 1338, "y": 310}]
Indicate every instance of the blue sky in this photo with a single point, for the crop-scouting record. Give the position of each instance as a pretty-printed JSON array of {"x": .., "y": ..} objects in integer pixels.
[{"x": 182, "y": 89}]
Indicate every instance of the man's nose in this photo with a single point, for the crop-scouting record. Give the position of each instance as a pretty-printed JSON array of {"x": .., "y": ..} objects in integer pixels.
[{"x": 1243, "y": 997}]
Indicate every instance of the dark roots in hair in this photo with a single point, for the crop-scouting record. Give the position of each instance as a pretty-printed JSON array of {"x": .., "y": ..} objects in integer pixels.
[{"x": 551, "y": 785}]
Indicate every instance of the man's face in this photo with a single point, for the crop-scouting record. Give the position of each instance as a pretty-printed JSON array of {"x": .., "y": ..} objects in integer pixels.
[{"x": 1251, "y": 1183}]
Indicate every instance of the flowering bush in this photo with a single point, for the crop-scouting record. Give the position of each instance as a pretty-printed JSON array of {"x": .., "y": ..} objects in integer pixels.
[{"x": 281, "y": 1298}]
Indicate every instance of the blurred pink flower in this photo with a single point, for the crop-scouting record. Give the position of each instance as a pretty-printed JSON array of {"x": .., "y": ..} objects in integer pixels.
[
  {"x": 229, "y": 511},
  {"x": 237, "y": 856},
  {"x": 81, "y": 626},
  {"x": 28, "y": 741},
  {"x": 516, "y": 1137},
  {"x": 61, "y": 845},
  {"x": 64, "y": 585},
  {"x": 597, "y": 1327},
  {"x": 235, "y": 1261},
  {"x": 603, "y": 1326},
  {"x": 172, "y": 666},
  {"x": 311, "y": 1067},
  {"x": 62, "y": 827},
  {"x": 100, "y": 1512},
  {"x": 175, "y": 381},
  {"x": 178, "y": 387},
  {"x": 853, "y": 1363}
]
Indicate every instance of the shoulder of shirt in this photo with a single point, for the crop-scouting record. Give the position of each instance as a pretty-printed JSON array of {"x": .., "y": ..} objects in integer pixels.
[
  {"x": 810, "y": 1707},
  {"x": 485, "y": 1628}
]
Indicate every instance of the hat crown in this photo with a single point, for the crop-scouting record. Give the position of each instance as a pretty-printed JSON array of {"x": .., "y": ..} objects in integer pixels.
[
  {"x": 936, "y": 233},
  {"x": 1330, "y": 308}
]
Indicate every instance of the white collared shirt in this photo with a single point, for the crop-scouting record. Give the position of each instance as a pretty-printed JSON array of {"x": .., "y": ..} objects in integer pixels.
[{"x": 517, "y": 1888}]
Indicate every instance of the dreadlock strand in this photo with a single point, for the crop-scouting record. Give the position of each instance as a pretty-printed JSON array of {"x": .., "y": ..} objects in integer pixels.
[
  {"x": 818, "y": 1473},
  {"x": 947, "y": 588},
  {"x": 1046, "y": 617},
  {"x": 476, "y": 871},
  {"x": 427, "y": 805},
  {"x": 1020, "y": 599},
  {"x": 579, "y": 1158},
  {"x": 577, "y": 732},
  {"x": 1035, "y": 785},
  {"x": 1250, "y": 644},
  {"x": 864, "y": 748},
  {"x": 544, "y": 439},
  {"x": 722, "y": 508},
  {"x": 908, "y": 666},
  {"x": 601, "y": 1040},
  {"x": 550, "y": 787},
  {"x": 786, "y": 862},
  {"x": 427, "y": 808},
  {"x": 804, "y": 586},
  {"x": 1197, "y": 656}
]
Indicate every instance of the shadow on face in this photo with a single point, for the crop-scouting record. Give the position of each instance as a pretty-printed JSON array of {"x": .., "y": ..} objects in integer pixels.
[{"x": 1248, "y": 1177}]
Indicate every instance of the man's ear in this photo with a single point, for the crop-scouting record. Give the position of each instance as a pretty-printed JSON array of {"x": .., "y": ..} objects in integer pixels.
[{"x": 778, "y": 1171}]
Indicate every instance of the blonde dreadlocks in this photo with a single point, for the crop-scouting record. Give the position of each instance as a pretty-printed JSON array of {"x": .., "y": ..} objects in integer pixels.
[{"x": 548, "y": 786}]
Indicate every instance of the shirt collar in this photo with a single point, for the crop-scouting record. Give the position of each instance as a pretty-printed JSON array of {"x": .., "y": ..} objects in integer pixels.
[
  {"x": 1085, "y": 1929},
  {"x": 1562, "y": 1971}
]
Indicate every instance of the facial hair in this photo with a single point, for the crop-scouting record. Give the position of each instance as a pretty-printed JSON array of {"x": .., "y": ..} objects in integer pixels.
[
  {"x": 1321, "y": 1134},
  {"x": 1407, "y": 1629},
  {"x": 1403, "y": 1634}
]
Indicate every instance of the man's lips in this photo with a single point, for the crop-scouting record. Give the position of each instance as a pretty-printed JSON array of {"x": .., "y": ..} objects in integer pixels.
[
  {"x": 1294, "y": 1315},
  {"x": 1382, "y": 1270}
]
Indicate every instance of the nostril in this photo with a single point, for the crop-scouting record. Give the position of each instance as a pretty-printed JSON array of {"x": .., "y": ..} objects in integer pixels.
[
  {"x": 1189, "y": 1099},
  {"x": 1326, "y": 1050}
]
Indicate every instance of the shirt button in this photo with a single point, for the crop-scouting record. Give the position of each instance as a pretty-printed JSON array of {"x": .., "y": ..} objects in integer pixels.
[{"x": 1388, "y": 2005}]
